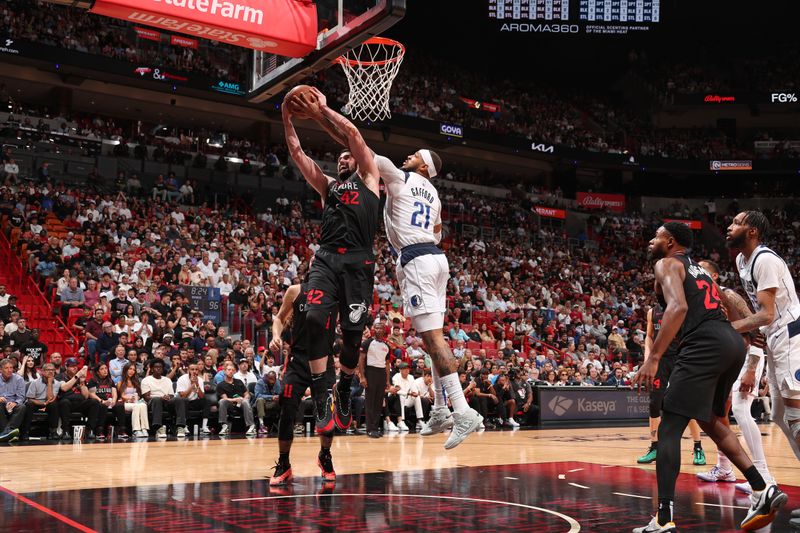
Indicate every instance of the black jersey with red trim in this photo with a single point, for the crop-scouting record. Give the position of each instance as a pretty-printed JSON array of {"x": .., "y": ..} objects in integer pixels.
[
  {"x": 351, "y": 215},
  {"x": 702, "y": 298},
  {"x": 298, "y": 336}
]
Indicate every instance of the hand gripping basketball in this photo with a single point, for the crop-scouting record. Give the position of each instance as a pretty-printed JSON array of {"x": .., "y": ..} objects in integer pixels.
[{"x": 303, "y": 102}]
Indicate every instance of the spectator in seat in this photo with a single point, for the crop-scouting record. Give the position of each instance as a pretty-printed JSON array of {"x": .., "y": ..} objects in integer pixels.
[
  {"x": 92, "y": 330},
  {"x": 456, "y": 333},
  {"x": 28, "y": 370},
  {"x": 159, "y": 394},
  {"x": 107, "y": 341},
  {"x": 244, "y": 373},
  {"x": 191, "y": 391},
  {"x": 74, "y": 398},
  {"x": 232, "y": 393},
  {"x": 484, "y": 394},
  {"x": 41, "y": 396},
  {"x": 267, "y": 394},
  {"x": 507, "y": 406},
  {"x": 118, "y": 363},
  {"x": 4, "y": 296},
  {"x": 7, "y": 311},
  {"x": 424, "y": 386},
  {"x": 523, "y": 395},
  {"x": 617, "y": 379},
  {"x": 101, "y": 388},
  {"x": 12, "y": 401},
  {"x": 22, "y": 335},
  {"x": 407, "y": 396},
  {"x": 129, "y": 392},
  {"x": 35, "y": 349},
  {"x": 12, "y": 170}
]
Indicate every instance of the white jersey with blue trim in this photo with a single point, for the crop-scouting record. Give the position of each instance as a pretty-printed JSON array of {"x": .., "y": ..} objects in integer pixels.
[
  {"x": 767, "y": 270},
  {"x": 413, "y": 211}
]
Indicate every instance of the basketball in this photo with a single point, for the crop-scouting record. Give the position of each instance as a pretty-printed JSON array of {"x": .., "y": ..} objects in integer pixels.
[{"x": 298, "y": 91}]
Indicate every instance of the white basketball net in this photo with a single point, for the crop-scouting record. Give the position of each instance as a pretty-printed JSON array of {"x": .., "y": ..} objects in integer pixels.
[{"x": 370, "y": 69}]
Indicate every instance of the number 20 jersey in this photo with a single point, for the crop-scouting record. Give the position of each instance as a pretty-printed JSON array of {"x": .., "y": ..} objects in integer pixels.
[{"x": 411, "y": 215}]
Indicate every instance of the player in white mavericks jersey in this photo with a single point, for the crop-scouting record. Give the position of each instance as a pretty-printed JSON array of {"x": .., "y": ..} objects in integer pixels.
[
  {"x": 770, "y": 287},
  {"x": 413, "y": 220}
]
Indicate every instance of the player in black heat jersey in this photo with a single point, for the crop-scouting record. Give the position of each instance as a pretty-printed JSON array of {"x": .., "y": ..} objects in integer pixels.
[
  {"x": 342, "y": 276},
  {"x": 296, "y": 379},
  {"x": 710, "y": 355}
]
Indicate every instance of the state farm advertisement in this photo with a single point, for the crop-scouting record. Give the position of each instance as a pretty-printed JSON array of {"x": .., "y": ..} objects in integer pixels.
[
  {"x": 596, "y": 200},
  {"x": 283, "y": 27}
]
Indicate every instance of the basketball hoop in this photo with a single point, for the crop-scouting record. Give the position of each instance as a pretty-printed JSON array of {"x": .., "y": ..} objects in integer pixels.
[{"x": 370, "y": 69}]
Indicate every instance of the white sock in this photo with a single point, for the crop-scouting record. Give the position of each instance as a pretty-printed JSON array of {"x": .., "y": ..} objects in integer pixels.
[
  {"x": 205, "y": 423},
  {"x": 751, "y": 434},
  {"x": 723, "y": 463},
  {"x": 453, "y": 389},
  {"x": 438, "y": 393}
]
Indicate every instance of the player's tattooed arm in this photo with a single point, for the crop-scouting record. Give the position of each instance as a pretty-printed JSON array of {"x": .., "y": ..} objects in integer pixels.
[{"x": 765, "y": 315}]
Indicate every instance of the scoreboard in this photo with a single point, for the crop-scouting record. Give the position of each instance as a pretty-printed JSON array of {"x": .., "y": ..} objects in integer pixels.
[{"x": 617, "y": 17}]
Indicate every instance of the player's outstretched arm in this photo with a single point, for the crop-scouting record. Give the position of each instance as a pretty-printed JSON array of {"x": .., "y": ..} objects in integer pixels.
[
  {"x": 310, "y": 170},
  {"x": 358, "y": 147},
  {"x": 283, "y": 316}
]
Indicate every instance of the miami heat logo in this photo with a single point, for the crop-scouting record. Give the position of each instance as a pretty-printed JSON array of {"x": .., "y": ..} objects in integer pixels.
[{"x": 356, "y": 312}]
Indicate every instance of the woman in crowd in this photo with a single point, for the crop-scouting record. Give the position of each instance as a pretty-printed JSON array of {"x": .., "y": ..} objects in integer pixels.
[{"x": 130, "y": 395}]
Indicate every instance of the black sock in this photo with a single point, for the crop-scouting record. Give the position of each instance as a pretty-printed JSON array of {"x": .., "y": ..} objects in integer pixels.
[
  {"x": 283, "y": 458},
  {"x": 755, "y": 479},
  {"x": 324, "y": 452},
  {"x": 345, "y": 380},
  {"x": 698, "y": 445},
  {"x": 654, "y": 445},
  {"x": 664, "y": 512}
]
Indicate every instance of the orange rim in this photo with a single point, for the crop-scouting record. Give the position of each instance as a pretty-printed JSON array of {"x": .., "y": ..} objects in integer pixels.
[{"x": 375, "y": 40}]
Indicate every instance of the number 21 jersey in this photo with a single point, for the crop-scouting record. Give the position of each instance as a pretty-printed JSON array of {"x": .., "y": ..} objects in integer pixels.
[{"x": 411, "y": 216}]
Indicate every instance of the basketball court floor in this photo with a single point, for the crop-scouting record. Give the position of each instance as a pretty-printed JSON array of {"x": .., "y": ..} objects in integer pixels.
[{"x": 564, "y": 480}]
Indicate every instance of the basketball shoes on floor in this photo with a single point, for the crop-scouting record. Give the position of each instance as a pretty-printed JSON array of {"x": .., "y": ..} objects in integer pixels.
[
  {"x": 717, "y": 474},
  {"x": 325, "y": 463},
  {"x": 282, "y": 474},
  {"x": 764, "y": 506},
  {"x": 655, "y": 527}
]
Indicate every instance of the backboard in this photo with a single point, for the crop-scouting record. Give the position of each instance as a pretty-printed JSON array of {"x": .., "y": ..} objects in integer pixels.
[{"x": 343, "y": 24}]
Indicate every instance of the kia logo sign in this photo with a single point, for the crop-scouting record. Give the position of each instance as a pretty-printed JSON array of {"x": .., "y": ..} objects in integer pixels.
[
  {"x": 541, "y": 147},
  {"x": 559, "y": 405},
  {"x": 451, "y": 130}
]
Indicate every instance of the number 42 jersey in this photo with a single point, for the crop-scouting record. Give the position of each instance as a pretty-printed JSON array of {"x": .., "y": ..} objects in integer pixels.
[{"x": 413, "y": 210}]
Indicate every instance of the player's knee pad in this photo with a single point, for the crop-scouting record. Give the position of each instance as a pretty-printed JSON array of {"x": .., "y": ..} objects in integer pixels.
[
  {"x": 317, "y": 323},
  {"x": 287, "y": 419},
  {"x": 791, "y": 415},
  {"x": 351, "y": 342}
]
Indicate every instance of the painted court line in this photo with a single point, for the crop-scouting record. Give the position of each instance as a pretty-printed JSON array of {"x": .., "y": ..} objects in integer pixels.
[
  {"x": 574, "y": 470},
  {"x": 632, "y": 495},
  {"x": 579, "y": 486},
  {"x": 575, "y": 527},
  {"x": 725, "y": 506},
  {"x": 512, "y": 478},
  {"x": 42, "y": 508}
]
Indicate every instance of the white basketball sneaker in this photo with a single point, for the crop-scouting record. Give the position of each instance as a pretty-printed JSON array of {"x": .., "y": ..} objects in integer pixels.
[{"x": 441, "y": 419}]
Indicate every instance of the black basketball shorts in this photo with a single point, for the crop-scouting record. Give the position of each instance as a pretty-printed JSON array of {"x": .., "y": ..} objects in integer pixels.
[
  {"x": 708, "y": 362},
  {"x": 343, "y": 282}
]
